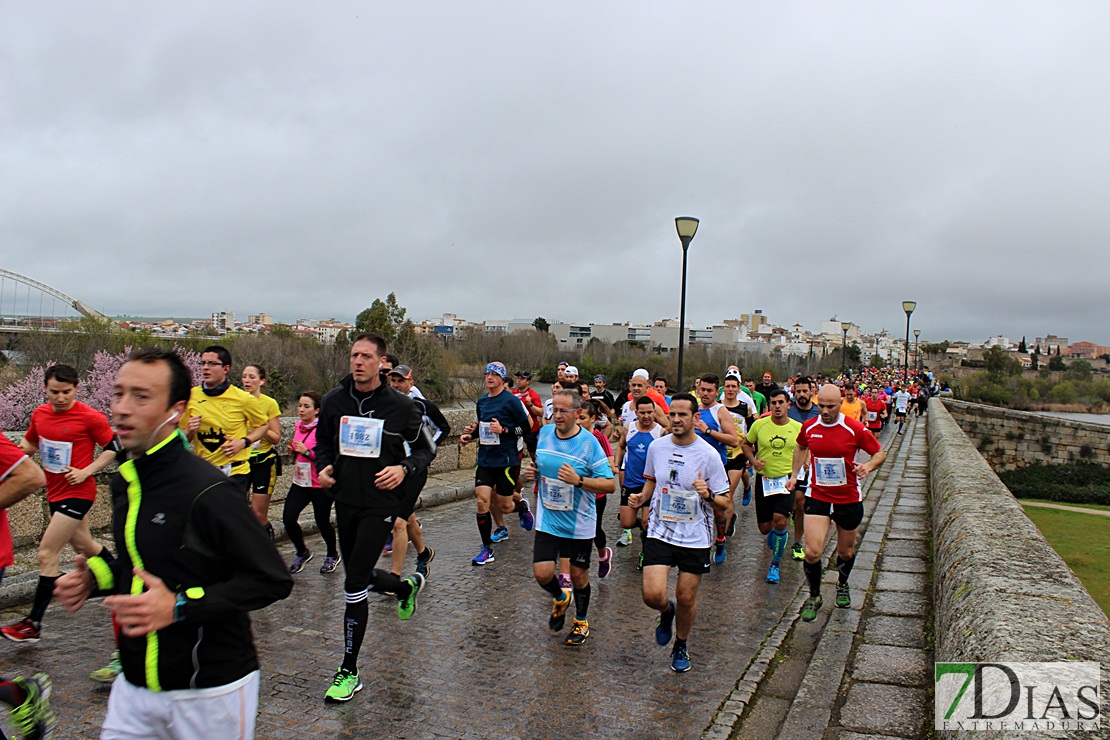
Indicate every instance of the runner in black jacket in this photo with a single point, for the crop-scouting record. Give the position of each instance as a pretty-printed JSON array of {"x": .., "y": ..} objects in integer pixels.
[
  {"x": 202, "y": 563},
  {"x": 368, "y": 442}
]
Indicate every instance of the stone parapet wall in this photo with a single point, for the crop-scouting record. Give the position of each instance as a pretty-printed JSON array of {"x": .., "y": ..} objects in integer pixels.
[
  {"x": 1011, "y": 439},
  {"x": 1001, "y": 592},
  {"x": 29, "y": 517}
]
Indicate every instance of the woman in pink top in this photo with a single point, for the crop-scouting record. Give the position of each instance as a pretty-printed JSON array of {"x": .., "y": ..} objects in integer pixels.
[
  {"x": 306, "y": 489},
  {"x": 588, "y": 420}
]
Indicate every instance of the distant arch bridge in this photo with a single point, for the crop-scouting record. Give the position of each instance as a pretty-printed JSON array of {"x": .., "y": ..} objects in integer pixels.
[{"x": 25, "y": 304}]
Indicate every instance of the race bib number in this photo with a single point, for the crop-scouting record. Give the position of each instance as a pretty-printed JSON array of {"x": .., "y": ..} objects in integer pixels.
[
  {"x": 360, "y": 437},
  {"x": 302, "y": 474},
  {"x": 775, "y": 486},
  {"x": 829, "y": 471},
  {"x": 677, "y": 505},
  {"x": 485, "y": 436},
  {"x": 872, "y": 415},
  {"x": 55, "y": 456},
  {"x": 557, "y": 495}
]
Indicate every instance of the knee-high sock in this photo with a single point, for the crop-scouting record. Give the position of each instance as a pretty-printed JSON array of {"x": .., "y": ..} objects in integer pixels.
[
  {"x": 778, "y": 544},
  {"x": 582, "y": 602},
  {"x": 813, "y": 575},
  {"x": 354, "y": 628},
  {"x": 43, "y": 593},
  {"x": 552, "y": 587},
  {"x": 485, "y": 528},
  {"x": 844, "y": 567}
]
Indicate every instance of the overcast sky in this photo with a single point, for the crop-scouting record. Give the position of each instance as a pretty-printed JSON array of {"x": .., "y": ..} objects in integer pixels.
[{"x": 501, "y": 160}]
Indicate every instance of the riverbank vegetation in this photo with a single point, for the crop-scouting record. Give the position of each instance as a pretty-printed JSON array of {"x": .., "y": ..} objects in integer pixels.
[{"x": 1002, "y": 382}]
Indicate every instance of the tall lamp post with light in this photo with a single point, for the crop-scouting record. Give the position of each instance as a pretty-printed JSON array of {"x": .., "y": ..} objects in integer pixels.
[
  {"x": 687, "y": 226},
  {"x": 844, "y": 326},
  {"x": 908, "y": 307},
  {"x": 916, "y": 353}
]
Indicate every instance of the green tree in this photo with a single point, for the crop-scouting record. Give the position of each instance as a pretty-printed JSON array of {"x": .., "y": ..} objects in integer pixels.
[
  {"x": 383, "y": 317},
  {"x": 1056, "y": 362},
  {"x": 1022, "y": 346},
  {"x": 541, "y": 324},
  {"x": 1079, "y": 370},
  {"x": 999, "y": 364},
  {"x": 876, "y": 360}
]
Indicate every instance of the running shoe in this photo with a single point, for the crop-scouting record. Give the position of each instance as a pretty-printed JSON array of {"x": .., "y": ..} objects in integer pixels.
[
  {"x": 747, "y": 499},
  {"x": 424, "y": 559},
  {"x": 108, "y": 673},
  {"x": 663, "y": 627},
  {"x": 527, "y": 520},
  {"x": 843, "y": 596},
  {"x": 565, "y": 583},
  {"x": 330, "y": 564},
  {"x": 406, "y": 605},
  {"x": 23, "y": 631},
  {"x": 640, "y": 562},
  {"x": 34, "y": 717},
  {"x": 500, "y": 534},
  {"x": 810, "y": 609},
  {"x": 625, "y": 538},
  {"x": 731, "y": 529},
  {"x": 680, "y": 659},
  {"x": 559, "y": 612},
  {"x": 605, "y": 564},
  {"x": 299, "y": 562},
  {"x": 578, "y": 633},
  {"x": 344, "y": 686},
  {"x": 797, "y": 551},
  {"x": 388, "y": 547},
  {"x": 773, "y": 573},
  {"x": 720, "y": 552},
  {"x": 485, "y": 555}
]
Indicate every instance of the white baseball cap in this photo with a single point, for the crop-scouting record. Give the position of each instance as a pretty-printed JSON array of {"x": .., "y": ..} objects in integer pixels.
[
  {"x": 641, "y": 373},
  {"x": 570, "y": 370}
]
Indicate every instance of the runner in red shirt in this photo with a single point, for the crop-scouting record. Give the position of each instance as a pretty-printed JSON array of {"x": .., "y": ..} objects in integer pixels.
[
  {"x": 65, "y": 432},
  {"x": 832, "y": 440},
  {"x": 29, "y": 698},
  {"x": 876, "y": 410}
]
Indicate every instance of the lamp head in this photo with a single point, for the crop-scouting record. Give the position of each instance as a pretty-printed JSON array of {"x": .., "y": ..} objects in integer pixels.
[
  {"x": 845, "y": 325},
  {"x": 916, "y": 333},
  {"x": 909, "y": 306},
  {"x": 687, "y": 226}
]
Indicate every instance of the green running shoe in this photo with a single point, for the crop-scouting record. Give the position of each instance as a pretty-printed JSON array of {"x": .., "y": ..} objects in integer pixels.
[
  {"x": 34, "y": 717},
  {"x": 843, "y": 596},
  {"x": 810, "y": 609},
  {"x": 344, "y": 686},
  {"x": 108, "y": 673},
  {"x": 406, "y": 605},
  {"x": 797, "y": 551}
]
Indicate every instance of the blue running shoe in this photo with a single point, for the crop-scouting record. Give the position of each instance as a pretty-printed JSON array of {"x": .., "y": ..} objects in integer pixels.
[
  {"x": 527, "y": 521},
  {"x": 680, "y": 659},
  {"x": 720, "y": 552},
  {"x": 485, "y": 555},
  {"x": 500, "y": 534},
  {"x": 773, "y": 573},
  {"x": 743, "y": 502},
  {"x": 663, "y": 631}
]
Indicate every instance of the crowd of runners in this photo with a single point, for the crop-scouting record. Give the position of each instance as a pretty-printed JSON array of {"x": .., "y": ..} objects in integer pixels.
[{"x": 198, "y": 466}]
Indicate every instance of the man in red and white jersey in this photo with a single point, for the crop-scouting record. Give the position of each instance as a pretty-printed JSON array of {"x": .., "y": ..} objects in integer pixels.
[{"x": 832, "y": 440}]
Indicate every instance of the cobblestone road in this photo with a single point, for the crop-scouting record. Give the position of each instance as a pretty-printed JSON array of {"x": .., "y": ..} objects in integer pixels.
[{"x": 477, "y": 659}]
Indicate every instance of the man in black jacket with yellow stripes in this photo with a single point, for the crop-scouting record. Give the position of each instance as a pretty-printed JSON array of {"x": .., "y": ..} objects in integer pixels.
[{"x": 193, "y": 561}]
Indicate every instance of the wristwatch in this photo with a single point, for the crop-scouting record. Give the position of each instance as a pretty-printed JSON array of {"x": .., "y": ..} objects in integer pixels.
[{"x": 179, "y": 607}]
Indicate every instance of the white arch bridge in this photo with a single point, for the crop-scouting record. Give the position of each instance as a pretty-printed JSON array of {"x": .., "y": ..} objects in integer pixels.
[{"x": 26, "y": 304}]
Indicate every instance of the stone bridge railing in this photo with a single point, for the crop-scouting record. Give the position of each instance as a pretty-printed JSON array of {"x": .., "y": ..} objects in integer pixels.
[
  {"x": 29, "y": 517},
  {"x": 1013, "y": 439},
  {"x": 1001, "y": 592}
]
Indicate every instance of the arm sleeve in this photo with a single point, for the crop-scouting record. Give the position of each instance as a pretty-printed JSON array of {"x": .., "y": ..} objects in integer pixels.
[
  {"x": 258, "y": 577},
  {"x": 325, "y": 438}
]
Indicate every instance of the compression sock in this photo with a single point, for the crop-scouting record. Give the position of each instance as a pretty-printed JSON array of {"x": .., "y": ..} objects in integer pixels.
[
  {"x": 552, "y": 587},
  {"x": 43, "y": 593},
  {"x": 582, "y": 602},
  {"x": 485, "y": 528},
  {"x": 813, "y": 575},
  {"x": 844, "y": 567},
  {"x": 778, "y": 544},
  {"x": 354, "y": 628}
]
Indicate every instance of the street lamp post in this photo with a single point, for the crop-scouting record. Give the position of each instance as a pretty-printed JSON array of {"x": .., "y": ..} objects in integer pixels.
[
  {"x": 845, "y": 326},
  {"x": 916, "y": 353},
  {"x": 687, "y": 226},
  {"x": 908, "y": 307}
]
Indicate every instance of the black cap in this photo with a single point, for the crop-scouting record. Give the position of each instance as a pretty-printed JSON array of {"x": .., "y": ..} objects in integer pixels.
[{"x": 524, "y": 374}]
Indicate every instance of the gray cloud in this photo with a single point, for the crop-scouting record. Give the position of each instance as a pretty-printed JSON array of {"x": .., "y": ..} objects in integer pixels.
[{"x": 506, "y": 160}]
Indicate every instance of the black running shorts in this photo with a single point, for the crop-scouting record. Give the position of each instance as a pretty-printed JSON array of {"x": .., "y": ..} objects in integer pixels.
[
  {"x": 846, "y": 516},
  {"x": 687, "y": 559}
]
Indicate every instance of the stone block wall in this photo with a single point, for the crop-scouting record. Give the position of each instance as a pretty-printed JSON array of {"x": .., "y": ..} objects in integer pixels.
[
  {"x": 1001, "y": 592},
  {"x": 29, "y": 517},
  {"x": 1011, "y": 439}
]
